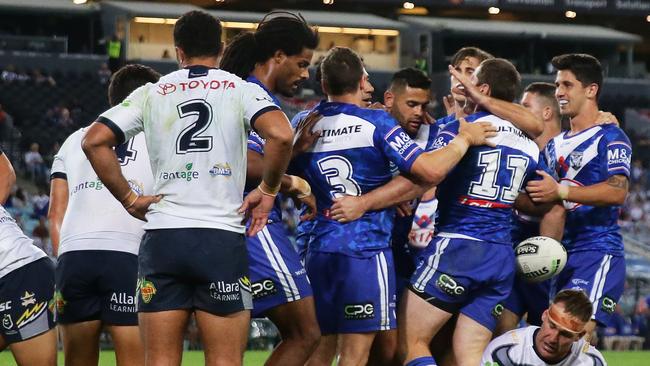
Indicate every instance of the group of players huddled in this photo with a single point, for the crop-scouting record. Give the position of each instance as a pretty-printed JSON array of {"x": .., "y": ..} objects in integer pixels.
[{"x": 198, "y": 158}]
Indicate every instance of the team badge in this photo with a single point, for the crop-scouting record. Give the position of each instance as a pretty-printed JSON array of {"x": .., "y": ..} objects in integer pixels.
[
  {"x": 28, "y": 299},
  {"x": 7, "y": 323},
  {"x": 58, "y": 303},
  {"x": 147, "y": 290},
  {"x": 575, "y": 159},
  {"x": 31, "y": 314}
]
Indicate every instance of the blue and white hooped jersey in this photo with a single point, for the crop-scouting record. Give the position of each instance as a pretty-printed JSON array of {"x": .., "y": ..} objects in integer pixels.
[
  {"x": 351, "y": 157},
  {"x": 476, "y": 198},
  {"x": 584, "y": 159},
  {"x": 256, "y": 143}
]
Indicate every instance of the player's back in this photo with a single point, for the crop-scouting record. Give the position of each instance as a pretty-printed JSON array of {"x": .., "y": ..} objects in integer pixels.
[
  {"x": 476, "y": 198},
  {"x": 584, "y": 159},
  {"x": 195, "y": 122},
  {"x": 16, "y": 249},
  {"x": 351, "y": 157}
]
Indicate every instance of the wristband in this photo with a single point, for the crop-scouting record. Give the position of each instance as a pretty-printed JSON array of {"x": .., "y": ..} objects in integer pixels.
[
  {"x": 132, "y": 197},
  {"x": 301, "y": 186},
  {"x": 563, "y": 191},
  {"x": 268, "y": 190}
]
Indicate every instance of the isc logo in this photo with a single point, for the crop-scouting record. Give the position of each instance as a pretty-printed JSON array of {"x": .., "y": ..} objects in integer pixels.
[{"x": 359, "y": 311}]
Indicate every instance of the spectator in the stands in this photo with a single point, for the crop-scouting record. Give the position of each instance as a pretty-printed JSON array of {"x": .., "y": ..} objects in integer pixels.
[
  {"x": 104, "y": 73},
  {"x": 41, "y": 236},
  {"x": 35, "y": 164},
  {"x": 6, "y": 124},
  {"x": 64, "y": 119},
  {"x": 42, "y": 79},
  {"x": 40, "y": 204}
]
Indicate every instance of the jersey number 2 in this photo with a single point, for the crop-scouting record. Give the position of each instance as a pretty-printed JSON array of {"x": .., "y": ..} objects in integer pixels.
[
  {"x": 338, "y": 172},
  {"x": 487, "y": 187},
  {"x": 190, "y": 139}
]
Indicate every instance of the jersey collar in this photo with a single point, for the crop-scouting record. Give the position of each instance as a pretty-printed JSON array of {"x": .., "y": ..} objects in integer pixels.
[{"x": 254, "y": 80}]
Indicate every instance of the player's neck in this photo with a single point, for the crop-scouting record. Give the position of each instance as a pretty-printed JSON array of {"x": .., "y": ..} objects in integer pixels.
[
  {"x": 200, "y": 61},
  {"x": 356, "y": 98},
  {"x": 585, "y": 119},
  {"x": 264, "y": 73},
  {"x": 548, "y": 134}
]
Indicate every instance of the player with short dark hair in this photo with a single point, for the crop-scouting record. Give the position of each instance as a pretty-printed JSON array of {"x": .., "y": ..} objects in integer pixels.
[
  {"x": 593, "y": 165},
  {"x": 276, "y": 57},
  {"x": 558, "y": 341},
  {"x": 97, "y": 242},
  {"x": 193, "y": 255}
]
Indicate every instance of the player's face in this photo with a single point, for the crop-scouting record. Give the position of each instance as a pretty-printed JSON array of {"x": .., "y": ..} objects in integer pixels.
[
  {"x": 570, "y": 93},
  {"x": 466, "y": 66},
  {"x": 367, "y": 89},
  {"x": 554, "y": 341},
  {"x": 292, "y": 71},
  {"x": 409, "y": 108},
  {"x": 533, "y": 103}
]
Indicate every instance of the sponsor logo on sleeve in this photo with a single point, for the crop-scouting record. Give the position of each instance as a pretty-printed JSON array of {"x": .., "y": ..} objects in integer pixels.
[{"x": 618, "y": 153}]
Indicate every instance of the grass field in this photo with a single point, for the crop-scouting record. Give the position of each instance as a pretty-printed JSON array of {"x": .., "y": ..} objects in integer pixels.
[{"x": 256, "y": 358}]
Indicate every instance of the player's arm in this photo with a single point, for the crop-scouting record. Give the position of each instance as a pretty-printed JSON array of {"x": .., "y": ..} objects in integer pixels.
[
  {"x": 611, "y": 192},
  {"x": 7, "y": 177},
  {"x": 521, "y": 117},
  {"x": 56, "y": 211},
  {"x": 552, "y": 215}
]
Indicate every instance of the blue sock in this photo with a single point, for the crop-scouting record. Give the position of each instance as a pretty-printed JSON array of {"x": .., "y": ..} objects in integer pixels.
[{"x": 422, "y": 361}]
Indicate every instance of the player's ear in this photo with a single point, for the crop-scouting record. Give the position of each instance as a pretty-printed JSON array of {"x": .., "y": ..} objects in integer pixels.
[
  {"x": 485, "y": 89},
  {"x": 180, "y": 55},
  {"x": 545, "y": 315},
  {"x": 547, "y": 112},
  {"x": 279, "y": 56},
  {"x": 592, "y": 91},
  {"x": 389, "y": 99}
]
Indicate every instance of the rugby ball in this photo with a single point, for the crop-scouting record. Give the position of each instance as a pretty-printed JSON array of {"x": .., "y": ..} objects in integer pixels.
[{"x": 539, "y": 258}]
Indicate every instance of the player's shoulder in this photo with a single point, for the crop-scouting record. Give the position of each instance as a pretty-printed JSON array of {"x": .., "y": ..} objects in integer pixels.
[
  {"x": 516, "y": 336},
  {"x": 299, "y": 117},
  {"x": 589, "y": 355},
  {"x": 73, "y": 138},
  {"x": 612, "y": 132}
]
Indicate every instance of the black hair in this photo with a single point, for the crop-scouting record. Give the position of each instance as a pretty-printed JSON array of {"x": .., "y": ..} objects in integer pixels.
[
  {"x": 288, "y": 33},
  {"x": 198, "y": 34},
  {"x": 586, "y": 68},
  {"x": 342, "y": 71},
  {"x": 127, "y": 79},
  {"x": 410, "y": 77},
  {"x": 502, "y": 77}
]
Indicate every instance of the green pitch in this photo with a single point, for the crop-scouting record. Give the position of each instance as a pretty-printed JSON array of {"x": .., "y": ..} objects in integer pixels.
[{"x": 256, "y": 358}]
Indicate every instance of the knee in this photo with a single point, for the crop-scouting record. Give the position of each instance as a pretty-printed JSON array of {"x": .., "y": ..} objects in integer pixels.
[{"x": 307, "y": 335}]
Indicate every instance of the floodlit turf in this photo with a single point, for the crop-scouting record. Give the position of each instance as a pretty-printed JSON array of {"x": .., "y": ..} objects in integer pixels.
[{"x": 256, "y": 358}]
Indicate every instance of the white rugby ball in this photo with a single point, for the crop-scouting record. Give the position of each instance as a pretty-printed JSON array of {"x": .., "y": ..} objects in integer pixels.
[{"x": 540, "y": 258}]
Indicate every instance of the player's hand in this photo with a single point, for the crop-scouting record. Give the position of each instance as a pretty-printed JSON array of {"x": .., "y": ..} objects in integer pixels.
[
  {"x": 427, "y": 119},
  {"x": 471, "y": 91},
  {"x": 141, "y": 205},
  {"x": 305, "y": 137},
  {"x": 606, "y": 118},
  {"x": 404, "y": 209},
  {"x": 308, "y": 202},
  {"x": 450, "y": 104},
  {"x": 348, "y": 208},
  {"x": 377, "y": 105},
  {"x": 256, "y": 207},
  {"x": 545, "y": 190},
  {"x": 477, "y": 133}
]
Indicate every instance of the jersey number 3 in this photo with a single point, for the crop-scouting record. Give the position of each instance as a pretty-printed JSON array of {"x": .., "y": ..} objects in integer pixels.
[
  {"x": 338, "y": 172},
  {"x": 190, "y": 139}
]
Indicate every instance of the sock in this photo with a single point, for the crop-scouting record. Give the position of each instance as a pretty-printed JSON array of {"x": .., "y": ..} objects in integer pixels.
[{"x": 422, "y": 361}]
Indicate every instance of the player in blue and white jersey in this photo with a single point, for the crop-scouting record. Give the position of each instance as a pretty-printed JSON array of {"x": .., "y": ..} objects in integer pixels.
[
  {"x": 276, "y": 57},
  {"x": 469, "y": 267},
  {"x": 97, "y": 241},
  {"x": 593, "y": 164},
  {"x": 354, "y": 287},
  {"x": 193, "y": 256}
]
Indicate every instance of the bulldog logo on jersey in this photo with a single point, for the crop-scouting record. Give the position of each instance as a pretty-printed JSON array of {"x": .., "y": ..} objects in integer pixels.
[{"x": 575, "y": 159}]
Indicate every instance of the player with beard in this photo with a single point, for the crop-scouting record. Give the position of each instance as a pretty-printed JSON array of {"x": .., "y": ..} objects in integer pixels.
[
  {"x": 276, "y": 57},
  {"x": 593, "y": 164},
  {"x": 559, "y": 341}
]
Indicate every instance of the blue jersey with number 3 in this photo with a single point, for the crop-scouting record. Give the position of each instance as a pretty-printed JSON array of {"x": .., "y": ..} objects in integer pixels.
[
  {"x": 476, "y": 198},
  {"x": 353, "y": 156}
]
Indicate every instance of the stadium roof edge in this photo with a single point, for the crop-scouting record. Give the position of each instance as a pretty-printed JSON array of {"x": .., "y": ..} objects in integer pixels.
[
  {"x": 150, "y": 9},
  {"x": 518, "y": 29},
  {"x": 49, "y": 6},
  {"x": 337, "y": 19}
]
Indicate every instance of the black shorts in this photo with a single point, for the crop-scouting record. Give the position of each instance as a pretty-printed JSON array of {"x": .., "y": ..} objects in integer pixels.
[
  {"x": 26, "y": 305},
  {"x": 97, "y": 285},
  {"x": 205, "y": 269}
]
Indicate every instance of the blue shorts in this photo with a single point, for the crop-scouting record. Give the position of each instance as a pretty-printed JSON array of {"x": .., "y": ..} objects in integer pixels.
[
  {"x": 303, "y": 237},
  {"x": 468, "y": 276},
  {"x": 277, "y": 275},
  {"x": 97, "y": 285},
  {"x": 529, "y": 297},
  {"x": 353, "y": 295},
  {"x": 600, "y": 275},
  {"x": 26, "y": 301},
  {"x": 193, "y": 268}
]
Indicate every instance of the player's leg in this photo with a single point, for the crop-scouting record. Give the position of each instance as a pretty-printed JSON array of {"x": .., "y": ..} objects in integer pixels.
[
  {"x": 37, "y": 351},
  {"x": 325, "y": 352},
  {"x": 384, "y": 349},
  {"x": 354, "y": 348},
  {"x": 81, "y": 342},
  {"x": 470, "y": 340},
  {"x": 118, "y": 284},
  {"x": 231, "y": 330},
  {"x": 281, "y": 291},
  {"x": 441, "y": 345},
  {"x": 513, "y": 309},
  {"x": 162, "y": 336}
]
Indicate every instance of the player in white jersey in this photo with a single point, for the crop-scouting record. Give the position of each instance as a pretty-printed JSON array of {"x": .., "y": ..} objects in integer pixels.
[
  {"x": 558, "y": 342},
  {"x": 7, "y": 177},
  {"x": 97, "y": 241},
  {"x": 193, "y": 256}
]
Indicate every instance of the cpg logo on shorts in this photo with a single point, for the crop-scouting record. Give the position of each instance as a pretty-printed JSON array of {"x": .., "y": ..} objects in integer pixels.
[{"x": 359, "y": 311}]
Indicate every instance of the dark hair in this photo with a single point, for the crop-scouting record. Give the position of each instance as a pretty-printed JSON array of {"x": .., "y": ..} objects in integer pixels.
[
  {"x": 575, "y": 303},
  {"x": 410, "y": 77},
  {"x": 466, "y": 52},
  {"x": 546, "y": 91},
  {"x": 198, "y": 34},
  {"x": 342, "y": 71},
  {"x": 501, "y": 76},
  {"x": 127, "y": 79},
  {"x": 586, "y": 68},
  {"x": 288, "y": 33}
]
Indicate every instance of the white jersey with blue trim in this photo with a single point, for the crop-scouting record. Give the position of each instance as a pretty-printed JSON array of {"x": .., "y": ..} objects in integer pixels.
[
  {"x": 584, "y": 159},
  {"x": 16, "y": 249},
  {"x": 196, "y": 122},
  {"x": 94, "y": 219},
  {"x": 517, "y": 348}
]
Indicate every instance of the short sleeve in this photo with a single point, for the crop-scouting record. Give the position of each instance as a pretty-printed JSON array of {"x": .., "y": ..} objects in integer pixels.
[
  {"x": 255, "y": 143},
  {"x": 395, "y": 143},
  {"x": 126, "y": 119},
  {"x": 299, "y": 117},
  {"x": 619, "y": 152},
  {"x": 256, "y": 102},
  {"x": 444, "y": 136},
  {"x": 58, "y": 163}
]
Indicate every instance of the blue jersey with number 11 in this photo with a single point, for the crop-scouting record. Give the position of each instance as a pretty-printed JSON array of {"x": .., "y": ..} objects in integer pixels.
[{"x": 353, "y": 156}]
